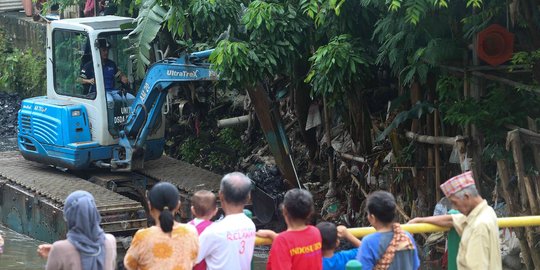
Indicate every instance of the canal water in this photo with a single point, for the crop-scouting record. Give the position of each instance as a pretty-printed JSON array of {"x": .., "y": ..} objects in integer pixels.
[{"x": 20, "y": 253}]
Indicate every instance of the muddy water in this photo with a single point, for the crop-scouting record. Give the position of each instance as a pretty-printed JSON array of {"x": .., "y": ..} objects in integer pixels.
[{"x": 19, "y": 251}]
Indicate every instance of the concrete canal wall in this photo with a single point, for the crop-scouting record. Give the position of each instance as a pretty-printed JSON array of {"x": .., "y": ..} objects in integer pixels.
[{"x": 23, "y": 31}]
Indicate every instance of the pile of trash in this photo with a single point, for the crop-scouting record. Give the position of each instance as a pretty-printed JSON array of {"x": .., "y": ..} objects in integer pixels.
[{"x": 9, "y": 106}]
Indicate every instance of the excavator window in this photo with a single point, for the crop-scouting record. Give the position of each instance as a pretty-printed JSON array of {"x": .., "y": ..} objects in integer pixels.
[
  {"x": 117, "y": 53},
  {"x": 68, "y": 55}
]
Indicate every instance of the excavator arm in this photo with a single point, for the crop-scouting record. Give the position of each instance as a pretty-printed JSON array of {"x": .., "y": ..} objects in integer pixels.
[{"x": 146, "y": 108}]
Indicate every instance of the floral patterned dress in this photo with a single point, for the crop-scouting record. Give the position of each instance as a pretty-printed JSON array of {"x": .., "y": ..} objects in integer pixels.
[{"x": 151, "y": 248}]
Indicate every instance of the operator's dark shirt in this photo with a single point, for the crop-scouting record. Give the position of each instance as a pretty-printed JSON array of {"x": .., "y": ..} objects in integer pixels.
[{"x": 109, "y": 72}]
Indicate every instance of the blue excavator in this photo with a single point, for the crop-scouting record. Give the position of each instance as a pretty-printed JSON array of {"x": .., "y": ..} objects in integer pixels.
[
  {"x": 82, "y": 126},
  {"x": 78, "y": 126}
]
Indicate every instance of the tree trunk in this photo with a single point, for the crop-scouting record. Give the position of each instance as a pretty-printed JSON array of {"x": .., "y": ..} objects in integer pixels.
[
  {"x": 302, "y": 101},
  {"x": 360, "y": 122}
]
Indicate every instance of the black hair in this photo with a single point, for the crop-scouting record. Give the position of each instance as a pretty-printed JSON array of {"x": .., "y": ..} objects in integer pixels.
[
  {"x": 164, "y": 197},
  {"x": 103, "y": 43},
  {"x": 382, "y": 205},
  {"x": 235, "y": 188},
  {"x": 298, "y": 203},
  {"x": 329, "y": 237}
]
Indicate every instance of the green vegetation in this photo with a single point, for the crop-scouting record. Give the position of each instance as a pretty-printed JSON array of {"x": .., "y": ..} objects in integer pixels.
[
  {"x": 217, "y": 150},
  {"x": 22, "y": 72}
]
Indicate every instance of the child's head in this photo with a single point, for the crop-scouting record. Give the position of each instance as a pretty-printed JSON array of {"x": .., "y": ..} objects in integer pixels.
[
  {"x": 382, "y": 205},
  {"x": 298, "y": 204},
  {"x": 203, "y": 204},
  {"x": 329, "y": 235}
]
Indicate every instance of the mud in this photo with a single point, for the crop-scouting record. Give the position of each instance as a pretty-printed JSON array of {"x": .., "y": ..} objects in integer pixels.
[{"x": 9, "y": 106}]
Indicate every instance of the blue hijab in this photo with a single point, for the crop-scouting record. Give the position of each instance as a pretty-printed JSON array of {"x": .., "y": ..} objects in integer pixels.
[{"x": 84, "y": 232}]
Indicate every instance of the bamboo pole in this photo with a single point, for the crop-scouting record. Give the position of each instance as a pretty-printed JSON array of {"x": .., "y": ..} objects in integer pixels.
[
  {"x": 351, "y": 157},
  {"x": 500, "y": 79},
  {"x": 530, "y": 194},
  {"x": 536, "y": 149},
  {"x": 506, "y": 222},
  {"x": 327, "y": 127},
  {"x": 513, "y": 140},
  {"x": 502, "y": 169},
  {"x": 415, "y": 97},
  {"x": 234, "y": 121},
  {"x": 437, "y": 156},
  {"x": 434, "y": 140}
]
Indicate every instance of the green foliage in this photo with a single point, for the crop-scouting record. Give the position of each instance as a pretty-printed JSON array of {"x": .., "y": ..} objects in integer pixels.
[
  {"x": 529, "y": 59},
  {"x": 406, "y": 156},
  {"x": 217, "y": 152},
  {"x": 148, "y": 25},
  {"x": 230, "y": 138},
  {"x": 472, "y": 24},
  {"x": 21, "y": 71},
  {"x": 210, "y": 18},
  {"x": 190, "y": 150},
  {"x": 416, "y": 112},
  {"x": 449, "y": 91},
  {"x": 260, "y": 14},
  {"x": 338, "y": 67},
  {"x": 62, "y": 4},
  {"x": 415, "y": 10},
  {"x": 499, "y": 108},
  {"x": 234, "y": 61}
]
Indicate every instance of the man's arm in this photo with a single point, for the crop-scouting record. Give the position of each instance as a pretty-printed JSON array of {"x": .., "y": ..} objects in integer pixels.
[
  {"x": 87, "y": 81},
  {"x": 442, "y": 220},
  {"x": 122, "y": 76},
  {"x": 266, "y": 234},
  {"x": 344, "y": 233}
]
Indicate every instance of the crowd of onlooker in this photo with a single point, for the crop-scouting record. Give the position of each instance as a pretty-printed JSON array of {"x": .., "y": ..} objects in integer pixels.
[{"x": 229, "y": 242}]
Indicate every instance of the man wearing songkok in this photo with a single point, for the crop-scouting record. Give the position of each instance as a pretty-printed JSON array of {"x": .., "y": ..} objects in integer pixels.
[{"x": 477, "y": 225}]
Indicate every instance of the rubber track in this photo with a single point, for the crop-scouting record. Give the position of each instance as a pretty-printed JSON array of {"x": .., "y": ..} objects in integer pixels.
[
  {"x": 57, "y": 185},
  {"x": 185, "y": 176}
]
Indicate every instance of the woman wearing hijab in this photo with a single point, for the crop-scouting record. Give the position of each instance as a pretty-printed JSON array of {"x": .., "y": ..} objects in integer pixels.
[
  {"x": 168, "y": 244},
  {"x": 87, "y": 247}
]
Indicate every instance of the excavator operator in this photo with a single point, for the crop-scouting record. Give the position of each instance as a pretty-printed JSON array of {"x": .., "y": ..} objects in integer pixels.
[{"x": 110, "y": 70}]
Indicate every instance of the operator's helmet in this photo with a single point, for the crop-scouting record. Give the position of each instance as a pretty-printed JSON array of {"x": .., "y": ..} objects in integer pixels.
[{"x": 103, "y": 43}]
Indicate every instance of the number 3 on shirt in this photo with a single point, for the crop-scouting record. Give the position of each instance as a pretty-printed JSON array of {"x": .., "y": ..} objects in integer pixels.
[{"x": 242, "y": 247}]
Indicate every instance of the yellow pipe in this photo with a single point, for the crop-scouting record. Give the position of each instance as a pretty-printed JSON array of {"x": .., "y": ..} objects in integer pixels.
[{"x": 506, "y": 222}]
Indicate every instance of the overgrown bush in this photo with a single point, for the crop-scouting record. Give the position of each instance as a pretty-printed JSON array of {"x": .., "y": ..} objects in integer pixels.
[
  {"x": 21, "y": 72},
  {"x": 216, "y": 150}
]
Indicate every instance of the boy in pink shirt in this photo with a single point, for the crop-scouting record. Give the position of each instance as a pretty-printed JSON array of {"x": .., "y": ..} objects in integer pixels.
[{"x": 203, "y": 208}]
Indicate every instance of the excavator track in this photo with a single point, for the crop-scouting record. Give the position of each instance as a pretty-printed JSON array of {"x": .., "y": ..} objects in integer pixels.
[
  {"x": 32, "y": 197},
  {"x": 32, "y": 194},
  {"x": 186, "y": 177}
]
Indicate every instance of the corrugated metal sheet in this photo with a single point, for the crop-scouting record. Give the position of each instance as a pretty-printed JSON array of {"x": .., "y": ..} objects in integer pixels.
[{"x": 8, "y": 5}]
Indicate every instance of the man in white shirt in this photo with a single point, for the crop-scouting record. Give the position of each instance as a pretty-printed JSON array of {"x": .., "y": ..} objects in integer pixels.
[{"x": 229, "y": 243}]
